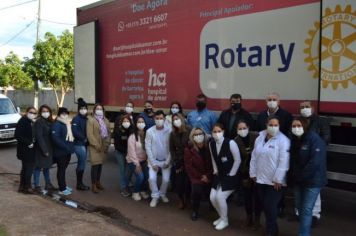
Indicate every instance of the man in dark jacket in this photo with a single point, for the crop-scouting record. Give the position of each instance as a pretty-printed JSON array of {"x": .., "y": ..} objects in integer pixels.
[
  {"x": 273, "y": 108},
  {"x": 79, "y": 128},
  {"x": 231, "y": 116},
  {"x": 148, "y": 114}
]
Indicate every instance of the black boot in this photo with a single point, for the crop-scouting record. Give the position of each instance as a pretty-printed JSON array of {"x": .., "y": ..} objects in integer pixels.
[
  {"x": 80, "y": 185},
  {"x": 249, "y": 221},
  {"x": 256, "y": 223}
]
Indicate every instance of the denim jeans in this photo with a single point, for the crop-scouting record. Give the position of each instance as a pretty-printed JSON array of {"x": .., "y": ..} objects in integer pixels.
[
  {"x": 81, "y": 152},
  {"x": 304, "y": 200},
  {"x": 140, "y": 178},
  {"x": 36, "y": 176},
  {"x": 121, "y": 160},
  {"x": 62, "y": 164}
]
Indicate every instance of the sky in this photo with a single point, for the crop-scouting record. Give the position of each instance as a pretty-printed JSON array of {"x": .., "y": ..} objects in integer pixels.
[{"x": 19, "y": 22}]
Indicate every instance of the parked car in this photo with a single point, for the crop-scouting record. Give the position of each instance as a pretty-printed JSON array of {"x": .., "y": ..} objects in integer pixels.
[{"x": 9, "y": 116}]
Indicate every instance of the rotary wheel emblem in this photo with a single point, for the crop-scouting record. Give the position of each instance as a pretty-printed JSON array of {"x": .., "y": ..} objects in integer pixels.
[{"x": 338, "y": 46}]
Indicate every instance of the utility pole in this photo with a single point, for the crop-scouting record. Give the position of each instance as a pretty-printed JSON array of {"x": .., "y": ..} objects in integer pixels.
[{"x": 36, "y": 87}]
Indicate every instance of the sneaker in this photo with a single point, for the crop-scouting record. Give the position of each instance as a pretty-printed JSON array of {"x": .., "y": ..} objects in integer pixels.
[
  {"x": 69, "y": 189},
  {"x": 216, "y": 222},
  {"x": 125, "y": 193},
  {"x": 154, "y": 202},
  {"x": 144, "y": 195},
  {"x": 222, "y": 225},
  {"x": 136, "y": 196},
  {"x": 65, "y": 192},
  {"x": 164, "y": 199}
]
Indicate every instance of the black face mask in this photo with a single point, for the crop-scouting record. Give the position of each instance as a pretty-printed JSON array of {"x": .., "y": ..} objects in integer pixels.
[
  {"x": 236, "y": 106},
  {"x": 201, "y": 105},
  {"x": 148, "y": 110}
]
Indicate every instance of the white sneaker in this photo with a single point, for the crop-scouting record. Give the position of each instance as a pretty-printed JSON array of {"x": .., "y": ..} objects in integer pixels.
[
  {"x": 65, "y": 192},
  {"x": 136, "y": 196},
  {"x": 69, "y": 189},
  {"x": 222, "y": 225},
  {"x": 164, "y": 199},
  {"x": 154, "y": 202},
  {"x": 217, "y": 222},
  {"x": 144, "y": 195}
]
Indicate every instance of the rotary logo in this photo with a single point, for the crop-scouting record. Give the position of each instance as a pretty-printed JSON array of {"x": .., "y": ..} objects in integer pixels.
[{"x": 338, "y": 46}]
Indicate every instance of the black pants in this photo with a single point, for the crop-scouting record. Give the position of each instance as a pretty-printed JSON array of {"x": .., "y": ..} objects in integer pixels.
[
  {"x": 270, "y": 198},
  {"x": 182, "y": 185},
  {"x": 26, "y": 174},
  {"x": 251, "y": 199},
  {"x": 96, "y": 173},
  {"x": 198, "y": 191},
  {"x": 62, "y": 164}
]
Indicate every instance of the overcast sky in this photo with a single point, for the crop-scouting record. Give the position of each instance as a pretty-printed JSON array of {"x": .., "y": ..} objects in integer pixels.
[{"x": 21, "y": 20}]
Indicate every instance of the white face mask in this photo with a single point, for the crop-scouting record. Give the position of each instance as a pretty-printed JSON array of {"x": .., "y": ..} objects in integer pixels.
[
  {"x": 31, "y": 116},
  {"x": 99, "y": 112},
  {"x": 272, "y": 130},
  {"x": 64, "y": 116},
  {"x": 306, "y": 112},
  {"x": 177, "y": 123},
  {"x": 45, "y": 114},
  {"x": 272, "y": 104},
  {"x": 199, "y": 138},
  {"x": 298, "y": 131},
  {"x": 159, "y": 123},
  {"x": 83, "y": 112},
  {"x": 126, "y": 124},
  {"x": 129, "y": 109},
  {"x": 174, "y": 110},
  {"x": 218, "y": 136},
  {"x": 141, "y": 126},
  {"x": 242, "y": 132}
]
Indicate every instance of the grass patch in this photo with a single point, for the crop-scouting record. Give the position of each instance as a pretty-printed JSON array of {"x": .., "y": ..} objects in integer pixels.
[{"x": 3, "y": 231}]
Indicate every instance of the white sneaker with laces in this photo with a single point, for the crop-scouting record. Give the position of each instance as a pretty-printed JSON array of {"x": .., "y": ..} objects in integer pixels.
[
  {"x": 144, "y": 195},
  {"x": 222, "y": 225},
  {"x": 154, "y": 202},
  {"x": 217, "y": 222},
  {"x": 69, "y": 189},
  {"x": 65, "y": 192},
  {"x": 165, "y": 199},
  {"x": 136, "y": 196}
]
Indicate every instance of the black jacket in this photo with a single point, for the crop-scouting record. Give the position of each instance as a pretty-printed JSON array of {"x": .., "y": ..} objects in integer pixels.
[
  {"x": 121, "y": 135},
  {"x": 25, "y": 137},
  {"x": 320, "y": 126},
  {"x": 225, "y": 117},
  {"x": 61, "y": 147},
  {"x": 285, "y": 120},
  {"x": 79, "y": 129},
  {"x": 43, "y": 145}
]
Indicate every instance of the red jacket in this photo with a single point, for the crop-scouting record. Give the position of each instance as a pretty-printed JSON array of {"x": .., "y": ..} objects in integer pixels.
[{"x": 197, "y": 165}]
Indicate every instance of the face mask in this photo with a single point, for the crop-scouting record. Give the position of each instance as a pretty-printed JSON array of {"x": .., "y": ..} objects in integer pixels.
[
  {"x": 242, "y": 132},
  {"x": 148, "y": 110},
  {"x": 199, "y": 138},
  {"x": 177, "y": 123},
  {"x": 298, "y": 131},
  {"x": 99, "y": 112},
  {"x": 174, "y": 110},
  {"x": 45, "y": 114},
  {"x": 200, "y": 105},
  {"x": 31, "y": 116},
  {"x": 159, "y": 123},
  {"x": 236, "y": 106},
  {"x": 126, "y": 124},
  {"x": 272, "y": 130},
  {"x": 272, "y": 104},
  {"x": 141, "y": 126},
  {"x": 64, "y": 116},
  {"x": 218, "y": 136},
  {"x": 128, "y": 109},
  {"x": 83, "y": 112},
  {"x": 306, "y": 112}
]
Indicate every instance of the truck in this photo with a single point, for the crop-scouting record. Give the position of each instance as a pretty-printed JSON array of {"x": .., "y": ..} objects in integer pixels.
[{"x": 166, "y": 50}]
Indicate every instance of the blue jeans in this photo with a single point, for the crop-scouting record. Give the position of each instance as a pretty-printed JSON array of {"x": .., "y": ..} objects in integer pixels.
[
  {"x": 81, "y": 152},
  {"x": 121, "y": 160},
  {"x": 304, "y": 200},
  {"x": 141, "y": 178},
  {"x": 36, "y": 176}
]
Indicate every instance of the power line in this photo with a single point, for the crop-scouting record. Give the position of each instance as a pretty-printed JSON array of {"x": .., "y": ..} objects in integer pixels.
[
  {"x": 20, "y": 32},
  {"x": 56, "y": 22},
  {"x": 15, "y": 5}
]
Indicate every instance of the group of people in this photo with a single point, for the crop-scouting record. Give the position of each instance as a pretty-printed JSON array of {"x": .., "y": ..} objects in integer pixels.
[{"x": 199, "y": 155}]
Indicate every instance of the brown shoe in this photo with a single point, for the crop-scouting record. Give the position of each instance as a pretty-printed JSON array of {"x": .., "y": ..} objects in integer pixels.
[
  {"x": 180, "y": 204},
  {"x": 28, "y": 191},
  {"x": 99, "y": 186},
  {"x": 94, "y": 188}
]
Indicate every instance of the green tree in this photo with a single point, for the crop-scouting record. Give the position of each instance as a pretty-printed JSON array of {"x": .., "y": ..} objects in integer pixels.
[
  {"x": 53, "y": 63},
  {"x": 12, "y": 74}
]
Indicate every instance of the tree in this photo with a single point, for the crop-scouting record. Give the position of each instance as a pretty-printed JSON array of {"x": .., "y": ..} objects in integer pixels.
[
  {"x": 12, "y": 74},
  {"x": 53, "y": 63}
]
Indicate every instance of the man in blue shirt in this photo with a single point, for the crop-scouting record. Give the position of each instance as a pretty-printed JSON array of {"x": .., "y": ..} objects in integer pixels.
[{"x": 202, "y": 117}]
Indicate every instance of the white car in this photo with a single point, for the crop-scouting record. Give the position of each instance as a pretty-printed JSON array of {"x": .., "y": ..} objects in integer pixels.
[{"x": 9, "y": 117}]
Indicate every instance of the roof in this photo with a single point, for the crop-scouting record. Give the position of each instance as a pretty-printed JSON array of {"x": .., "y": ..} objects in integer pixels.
[{"x": 95, "y": 4}]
